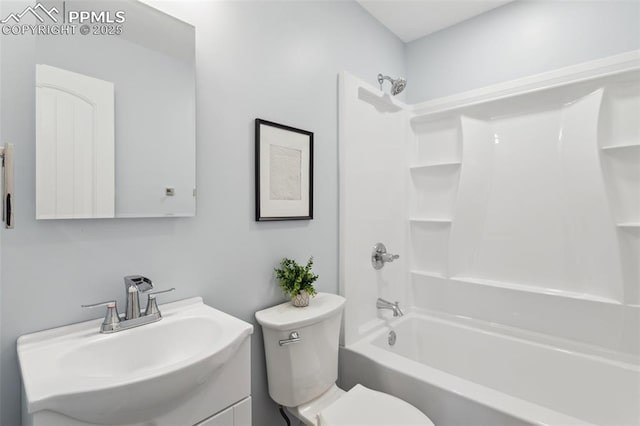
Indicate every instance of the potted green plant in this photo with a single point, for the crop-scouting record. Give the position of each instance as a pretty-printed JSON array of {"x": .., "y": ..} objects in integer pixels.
[{"x": 297, "y": 281}]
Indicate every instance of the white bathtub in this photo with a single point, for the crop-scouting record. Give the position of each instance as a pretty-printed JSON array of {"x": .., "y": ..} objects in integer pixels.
[{"x": 466, "y": 372}]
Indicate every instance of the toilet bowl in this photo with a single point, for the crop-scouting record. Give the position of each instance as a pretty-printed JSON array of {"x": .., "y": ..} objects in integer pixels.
[{"x": 301, "y": 348}]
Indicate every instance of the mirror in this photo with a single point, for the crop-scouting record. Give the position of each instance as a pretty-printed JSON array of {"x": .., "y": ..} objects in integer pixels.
[{"x": 115, "y": 113}]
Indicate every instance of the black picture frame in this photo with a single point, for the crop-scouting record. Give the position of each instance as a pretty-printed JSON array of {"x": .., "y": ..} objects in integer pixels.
[{"x": 269, "y": 204}]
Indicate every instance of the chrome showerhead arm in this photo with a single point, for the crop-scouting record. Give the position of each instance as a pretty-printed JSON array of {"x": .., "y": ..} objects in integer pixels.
[{"x": 382, "y": 78}]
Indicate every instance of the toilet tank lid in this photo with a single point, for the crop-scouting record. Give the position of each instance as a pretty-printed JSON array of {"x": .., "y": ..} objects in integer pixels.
[{"x": 286, "y": 316}]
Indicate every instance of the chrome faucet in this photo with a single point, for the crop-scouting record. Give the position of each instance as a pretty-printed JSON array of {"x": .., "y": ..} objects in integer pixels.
[
  {"x": 384, "y": 304},
  {"x": 134, "y": 285}
]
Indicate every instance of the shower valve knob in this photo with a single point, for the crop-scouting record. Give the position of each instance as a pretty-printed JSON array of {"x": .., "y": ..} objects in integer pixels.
[{"x": 379, "y": 256}]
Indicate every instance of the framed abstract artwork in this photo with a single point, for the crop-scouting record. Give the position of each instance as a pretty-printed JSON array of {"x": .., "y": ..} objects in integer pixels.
[{"x": 284, "y": 172}]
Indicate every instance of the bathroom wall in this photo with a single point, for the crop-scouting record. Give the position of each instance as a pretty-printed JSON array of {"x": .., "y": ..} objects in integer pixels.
[
  {"x": 516, "y": 40},
  {"x": 274, "y": 60}
]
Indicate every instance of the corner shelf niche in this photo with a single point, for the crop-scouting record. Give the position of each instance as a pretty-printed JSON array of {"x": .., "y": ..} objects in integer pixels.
[
  {"x": 434, "y": 177},
  {"x": 620, "y": 156},
  {"x": 430, "y": 245},
  {"x": 434, "y": 191},
  {"x": 619, "y": 116},
  {"x": 619, "y": 137},
  {"x": 629, "y": 243},
  {"x": 437, "y": 159},
  {"x": 438, "y": 140}
]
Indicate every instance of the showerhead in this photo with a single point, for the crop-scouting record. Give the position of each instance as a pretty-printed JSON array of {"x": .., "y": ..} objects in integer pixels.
[{"x": 397, "y": 85}]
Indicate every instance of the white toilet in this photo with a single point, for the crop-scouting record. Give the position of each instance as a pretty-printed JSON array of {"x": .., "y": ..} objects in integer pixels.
[{"x": 301, "y": 347}]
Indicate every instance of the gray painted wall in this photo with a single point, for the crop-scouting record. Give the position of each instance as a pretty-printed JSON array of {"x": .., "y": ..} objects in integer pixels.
[
  {"x": 516, "y": 40},
  {"x": 277, "y": 61}
]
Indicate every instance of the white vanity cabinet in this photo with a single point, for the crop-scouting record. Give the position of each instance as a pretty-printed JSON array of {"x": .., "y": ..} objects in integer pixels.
[
  {"x": 192, "y": 368},
  {"x": 238, "y": 415},
  {"x": 224, "y": 401}
]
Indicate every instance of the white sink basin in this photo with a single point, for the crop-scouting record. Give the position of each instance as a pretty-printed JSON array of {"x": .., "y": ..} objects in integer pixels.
[{"x": 129, "y": 376}]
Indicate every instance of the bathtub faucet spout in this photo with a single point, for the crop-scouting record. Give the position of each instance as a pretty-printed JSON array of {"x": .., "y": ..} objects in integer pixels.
[{"x": 384, "y": 304}]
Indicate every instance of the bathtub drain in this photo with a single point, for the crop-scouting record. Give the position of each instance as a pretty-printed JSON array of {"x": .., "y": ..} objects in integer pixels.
[{"x": 392, "y": 338}]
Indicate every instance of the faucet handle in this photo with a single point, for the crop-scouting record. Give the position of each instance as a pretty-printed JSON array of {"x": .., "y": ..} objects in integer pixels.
[
  {"x": 108, "y": 304},
  {"x": 152, "y": 304},
  {"x": 379, "y": 256},
  {"x": 111, "y": 318}
]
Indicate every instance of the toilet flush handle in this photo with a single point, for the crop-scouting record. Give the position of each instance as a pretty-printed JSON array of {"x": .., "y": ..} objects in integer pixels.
[{"x": 294, "y": 337}]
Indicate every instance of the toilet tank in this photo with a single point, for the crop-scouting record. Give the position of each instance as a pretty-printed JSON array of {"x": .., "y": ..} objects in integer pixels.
[{"x": 301, "y": 369}]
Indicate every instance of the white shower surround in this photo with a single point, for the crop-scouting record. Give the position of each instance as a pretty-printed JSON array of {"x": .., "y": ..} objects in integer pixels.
[{"x": 516, "y": 204}]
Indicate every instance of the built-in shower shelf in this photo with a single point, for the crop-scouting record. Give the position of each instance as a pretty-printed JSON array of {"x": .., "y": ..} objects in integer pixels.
[
  {"x": 534, "y": 289},
  {"x": 429, "y": 220},
  {"x": 629, "y": 225},
  {"x": 435, "y": 165},
  {"x": 431, "y": 117},
  {"x": 621, "y": 146},
  {"x": 429, "y": 274}
]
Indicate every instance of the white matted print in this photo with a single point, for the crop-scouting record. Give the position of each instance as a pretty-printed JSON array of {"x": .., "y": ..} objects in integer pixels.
[{"x": 284, "y": 172}]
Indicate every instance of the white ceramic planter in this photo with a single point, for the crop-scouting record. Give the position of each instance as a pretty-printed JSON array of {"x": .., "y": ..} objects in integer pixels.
[{"x": 301, "y": 300}]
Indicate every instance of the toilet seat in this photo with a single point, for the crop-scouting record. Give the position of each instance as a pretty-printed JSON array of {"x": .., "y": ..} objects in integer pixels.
[{"x": 363, "y": 406}]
